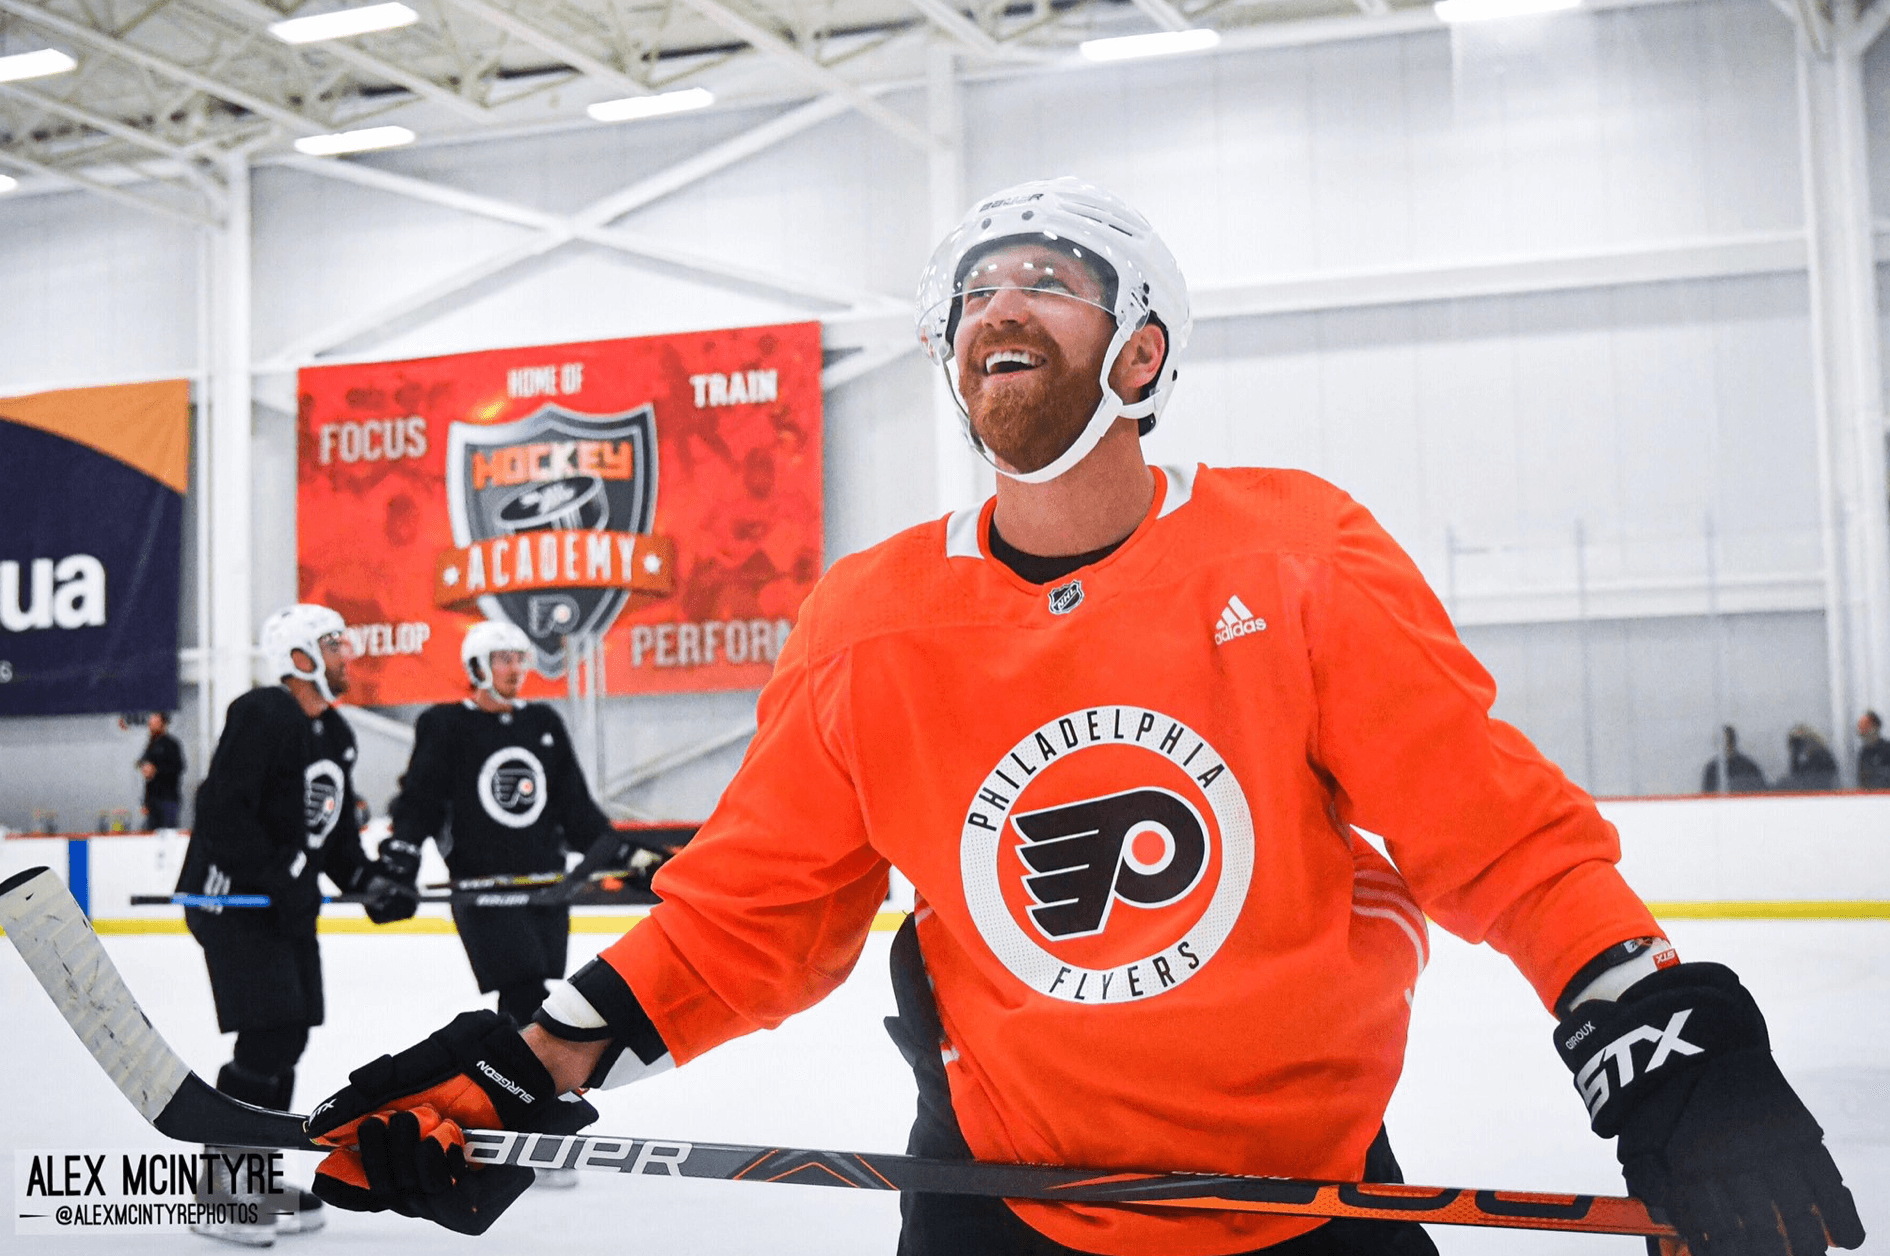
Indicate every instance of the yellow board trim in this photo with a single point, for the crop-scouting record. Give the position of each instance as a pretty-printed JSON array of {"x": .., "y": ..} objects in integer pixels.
[
  {"x": 1843, "y": 909},
  {"x": 887, "y": 921},
  {"x": 884, "y": 922}
]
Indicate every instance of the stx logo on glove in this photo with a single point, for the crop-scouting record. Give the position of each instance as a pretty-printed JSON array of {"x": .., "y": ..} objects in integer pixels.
[{"x": 1592, "y": 1080}]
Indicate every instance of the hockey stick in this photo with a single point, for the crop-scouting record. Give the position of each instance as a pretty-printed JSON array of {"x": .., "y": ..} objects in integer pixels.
[
  {"x": 475, "y": 898},
  {"x": 248, "y": 900},
  {"x": 52, "y": 935}
]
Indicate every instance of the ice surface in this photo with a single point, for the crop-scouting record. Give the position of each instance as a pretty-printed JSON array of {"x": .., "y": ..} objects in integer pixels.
[{"x": 1484, "y": 1101}]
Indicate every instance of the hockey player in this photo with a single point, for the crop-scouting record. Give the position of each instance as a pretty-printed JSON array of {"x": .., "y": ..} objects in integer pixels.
[
  {"x": 494, "y": 782},
  {"x": 275, "y": 809},
  {"x": 1117, "y": 727}
]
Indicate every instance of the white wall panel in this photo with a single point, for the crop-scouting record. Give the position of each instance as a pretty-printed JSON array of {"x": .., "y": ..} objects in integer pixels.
[{"x": 93, "y": 292}]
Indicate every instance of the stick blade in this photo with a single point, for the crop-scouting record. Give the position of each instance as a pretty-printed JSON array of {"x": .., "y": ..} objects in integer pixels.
[{"x": 45, "y": 925}]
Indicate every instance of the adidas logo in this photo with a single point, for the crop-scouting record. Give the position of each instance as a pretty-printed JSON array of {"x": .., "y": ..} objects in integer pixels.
[{"x": 1236, "y": 621}]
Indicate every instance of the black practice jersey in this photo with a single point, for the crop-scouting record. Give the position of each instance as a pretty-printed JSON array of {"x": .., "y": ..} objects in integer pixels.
[
  {"x": 499, "y": 792},
  {"x": 277, "y": 807}
]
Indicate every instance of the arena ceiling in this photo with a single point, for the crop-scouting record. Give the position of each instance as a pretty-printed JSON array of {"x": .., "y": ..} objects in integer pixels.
[{"x": 166, "y": 91}]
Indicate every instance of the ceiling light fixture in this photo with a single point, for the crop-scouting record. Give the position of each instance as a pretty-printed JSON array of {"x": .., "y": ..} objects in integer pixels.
[
  {"x": 632, "y": 107},
  {"x": 354, "y": 141},
  {"x": 29, "y": 65},
  {"x": 342, "y": 23},
  {"x": 1160, "y": 44},
  {"x": 1490, "y": 10}
]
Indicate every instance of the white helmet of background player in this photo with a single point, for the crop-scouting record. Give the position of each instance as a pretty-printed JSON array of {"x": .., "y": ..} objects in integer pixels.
[
  {"x": 300, "y": 627},
  {"x": 482, "y": 641},
  {"x": 1140, "y": 282}
]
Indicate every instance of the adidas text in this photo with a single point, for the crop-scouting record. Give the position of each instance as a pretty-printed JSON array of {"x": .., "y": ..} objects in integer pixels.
[
  {"x": 1236, "y": 621},
  {"x": 504, "y": 1081}
]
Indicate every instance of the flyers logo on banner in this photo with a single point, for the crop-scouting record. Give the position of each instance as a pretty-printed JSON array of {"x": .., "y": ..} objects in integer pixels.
[
  {"x": 658, "y": 494},
  {"x": 551, "y": 524}
]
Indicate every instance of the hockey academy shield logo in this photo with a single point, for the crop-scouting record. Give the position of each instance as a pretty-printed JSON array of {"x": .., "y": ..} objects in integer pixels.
[
  {"x": 550, "y": 478},
  {"x": 1107, "y": 855},
  {"x": 512, "y": 787}
]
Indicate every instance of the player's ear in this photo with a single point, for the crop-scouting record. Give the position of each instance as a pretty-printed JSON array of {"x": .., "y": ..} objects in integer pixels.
[
  {"x": 1140, "y": 361},
  {"x": 301, "y": 660}
]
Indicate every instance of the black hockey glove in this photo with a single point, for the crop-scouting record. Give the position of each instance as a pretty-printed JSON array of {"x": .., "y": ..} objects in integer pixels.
[
  {"x": 398, "y": 1125},
  {"x": 399, "y": 859},
  {"x": 1711, "y": 1134},
  {"x": 386, "y": 900}
]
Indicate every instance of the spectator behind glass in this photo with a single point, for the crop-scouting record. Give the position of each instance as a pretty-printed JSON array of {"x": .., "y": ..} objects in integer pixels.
[
  {"x": 1742, "y": 774},
  {"x": 1811, "y": 764},
  {"x": 162, "y": 766},
  {"x": 1873, "y": 755}
]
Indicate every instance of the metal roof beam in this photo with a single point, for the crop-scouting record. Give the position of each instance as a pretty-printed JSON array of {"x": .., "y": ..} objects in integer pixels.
[
  {"x": 767, "y": 41},
  {"x": 585, "y": 225},
  {"x": 554, "y": 231},
  {"x": 749, "y": 143},
  {"x": 1164, "y": 14},
  {"x": 341, "y": 50},
  {"x": 575, "y": 57},
  {"x": 113, "y": 127},
  {"x": 944, "y": 15},
  {"x": 115, "y": 47},
  {"x": 109, "y": 192}
]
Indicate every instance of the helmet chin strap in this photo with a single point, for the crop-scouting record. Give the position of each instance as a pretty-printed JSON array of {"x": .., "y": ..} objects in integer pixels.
[
  {"x": 319, "y": 678},
  {"x": 487, "y": 685},
  {"x": 1108, "y": 410}
]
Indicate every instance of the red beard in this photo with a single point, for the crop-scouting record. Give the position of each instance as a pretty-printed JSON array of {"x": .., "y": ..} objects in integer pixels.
[{"x": 1027, "y": 419}]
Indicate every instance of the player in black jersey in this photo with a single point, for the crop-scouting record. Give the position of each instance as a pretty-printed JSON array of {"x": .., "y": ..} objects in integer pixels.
[
  {"x": 276, "y": 809},
  {"x": 494, "y": 783}
]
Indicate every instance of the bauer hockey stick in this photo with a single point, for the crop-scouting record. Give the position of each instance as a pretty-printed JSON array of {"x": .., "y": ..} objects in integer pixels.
[{"x": 52, "y": 935}]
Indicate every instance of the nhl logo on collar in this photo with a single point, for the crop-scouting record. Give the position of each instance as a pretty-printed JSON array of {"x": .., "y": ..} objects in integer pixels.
[{"x": 1066, "y": 597}]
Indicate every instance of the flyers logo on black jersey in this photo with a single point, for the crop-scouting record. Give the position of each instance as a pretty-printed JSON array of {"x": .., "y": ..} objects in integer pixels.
[
  {"x": 322, "y": 789},
  {"x": 512, "y": 787},
  {"x": 1106, "y": 855},
  {"x": 1143, "y": 846}
]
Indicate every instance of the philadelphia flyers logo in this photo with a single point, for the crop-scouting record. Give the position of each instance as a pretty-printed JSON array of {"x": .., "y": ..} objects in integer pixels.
[
  {"x": 512, "y": 787},
  {"x": 323, "y": 786},
  {"x": 1143, "y": 846},
  {"x": 1107, "y": 855}
]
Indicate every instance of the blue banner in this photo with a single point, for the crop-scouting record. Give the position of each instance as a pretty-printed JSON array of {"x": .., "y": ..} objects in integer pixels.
[{"x": 90, "y": 553}]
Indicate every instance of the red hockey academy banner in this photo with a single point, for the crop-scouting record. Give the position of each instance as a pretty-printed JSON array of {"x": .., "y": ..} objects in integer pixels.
[{"x": 663, "y": 493}]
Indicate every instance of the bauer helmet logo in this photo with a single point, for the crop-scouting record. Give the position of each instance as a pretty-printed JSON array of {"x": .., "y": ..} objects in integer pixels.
[
  {"x": 1144, "y": 846},
  {"x": 1066, "y": 597}
]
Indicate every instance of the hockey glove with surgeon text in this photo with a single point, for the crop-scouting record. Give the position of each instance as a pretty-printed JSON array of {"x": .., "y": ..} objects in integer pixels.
[
  {"x": 398, "y": 1125},
  {"x": 1711, "y": 1134}
]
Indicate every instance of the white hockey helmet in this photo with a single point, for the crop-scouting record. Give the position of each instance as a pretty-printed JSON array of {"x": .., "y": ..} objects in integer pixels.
[
  {"x": 1141, "y": 281},
  {"x": 300, "y": 627},
  {"x": 482, "y": 641}
]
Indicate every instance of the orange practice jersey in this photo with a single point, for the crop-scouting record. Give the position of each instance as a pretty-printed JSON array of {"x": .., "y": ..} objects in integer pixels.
[{"x": 1126, "y": 803}]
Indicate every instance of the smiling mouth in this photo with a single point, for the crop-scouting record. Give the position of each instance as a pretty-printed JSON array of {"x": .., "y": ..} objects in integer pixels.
[{"x": 1011, "y": 361}]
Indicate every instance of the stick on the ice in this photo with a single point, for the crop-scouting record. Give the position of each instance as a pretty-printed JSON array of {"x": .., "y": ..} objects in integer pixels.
[{"x": 56, "y": 941}]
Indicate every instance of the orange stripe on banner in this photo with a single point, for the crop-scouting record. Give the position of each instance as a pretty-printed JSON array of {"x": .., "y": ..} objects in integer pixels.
[{"x": 144, "y": 426}]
